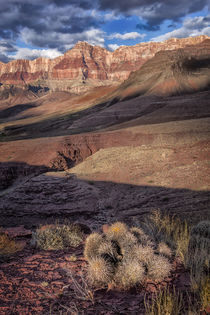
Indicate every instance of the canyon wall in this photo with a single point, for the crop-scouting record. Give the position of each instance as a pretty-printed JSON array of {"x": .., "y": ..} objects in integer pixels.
[{"x": 86, "y": 66}]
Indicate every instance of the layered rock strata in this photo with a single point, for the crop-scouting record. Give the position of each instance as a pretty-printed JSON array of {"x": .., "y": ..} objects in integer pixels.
[{"x": 86, "y": 66}]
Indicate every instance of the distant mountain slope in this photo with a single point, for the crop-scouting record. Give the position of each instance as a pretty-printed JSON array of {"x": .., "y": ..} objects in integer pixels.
[
  {"x": 85, "y": 66},
  {"x": 169, "y": 73}
]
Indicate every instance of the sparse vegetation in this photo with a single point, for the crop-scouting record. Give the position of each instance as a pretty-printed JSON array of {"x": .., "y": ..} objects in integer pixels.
[
  {"x": 8, "y": 246},
  {"x": 191, "y": 246},
  {"x": 55, "y": 237},
  {"x": 123, "y": 257},
  {"x": 164, "y": 302},
  {"x": 170, "y": 230},
  {"x": 205, "y": 292}
]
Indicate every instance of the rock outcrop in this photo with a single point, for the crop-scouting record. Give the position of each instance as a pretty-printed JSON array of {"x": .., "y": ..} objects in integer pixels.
[
  {"x": 175, "y": 72},
  {"x": 86, "y": 66}
]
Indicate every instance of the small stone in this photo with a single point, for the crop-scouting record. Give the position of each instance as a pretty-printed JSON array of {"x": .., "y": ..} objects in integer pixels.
[{"x": 44, "y": 284}]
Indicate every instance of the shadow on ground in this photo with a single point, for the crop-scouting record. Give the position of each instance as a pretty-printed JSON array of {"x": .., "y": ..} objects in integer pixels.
[{"x": 34, "y": 197}]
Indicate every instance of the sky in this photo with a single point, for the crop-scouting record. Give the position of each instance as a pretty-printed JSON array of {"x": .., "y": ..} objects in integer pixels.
[{"x": 47, "y": 28}]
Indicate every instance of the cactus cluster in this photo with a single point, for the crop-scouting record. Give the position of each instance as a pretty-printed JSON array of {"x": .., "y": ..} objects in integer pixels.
[{"x": 124, "y": 257}]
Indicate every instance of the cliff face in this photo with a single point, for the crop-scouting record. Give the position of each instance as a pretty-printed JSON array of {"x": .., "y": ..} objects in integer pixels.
[
  {"x": 173, "y": 72},
  {"x": 86, "y": 66}
]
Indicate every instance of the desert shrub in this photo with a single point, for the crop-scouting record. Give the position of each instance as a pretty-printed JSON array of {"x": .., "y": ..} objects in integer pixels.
[
  {"x": 164, "y": 302},
  {"x": 55, "y": 237},
  {"x": 8, "y": 246},
  {"x": 199, "y": 259},
  {"x": 202, "y": 229},
  {"x": 117, "y": 257}
]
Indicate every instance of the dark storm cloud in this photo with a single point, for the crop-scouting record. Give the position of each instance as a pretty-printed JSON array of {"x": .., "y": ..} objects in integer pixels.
[
  {"x": 73, "y": 16},
  {"x": 59, "y": 24},
  {"x": 155, "y": 12},
  {"x": 46, "y": 16},
  {"x": 6, "y": 47}
]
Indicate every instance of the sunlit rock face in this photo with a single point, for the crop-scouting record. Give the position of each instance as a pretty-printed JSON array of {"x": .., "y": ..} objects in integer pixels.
[{"x": 86, "y": 66}]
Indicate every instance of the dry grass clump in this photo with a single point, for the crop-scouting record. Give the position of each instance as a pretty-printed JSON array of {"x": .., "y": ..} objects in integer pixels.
[
  {"x": 205, "y": 293},
  {"x": 8, "y": 246},
  {"x": 191, "y": 246},
  {"x": 55, "y": 237},
  {"x": 165, "y": 302},
  {"x": 199, "y": 262},
  {"x": 171, "y": 230},
  {"x": 120, "y": 258}
]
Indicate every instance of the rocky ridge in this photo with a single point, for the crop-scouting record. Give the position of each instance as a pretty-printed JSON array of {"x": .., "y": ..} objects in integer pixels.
[
  {"x": 174, "y": 72},
  {"x": 86, "y": 66}
]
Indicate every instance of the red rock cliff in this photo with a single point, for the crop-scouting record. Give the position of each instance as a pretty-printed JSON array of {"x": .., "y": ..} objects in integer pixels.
[{"x": 85, "y": 66}]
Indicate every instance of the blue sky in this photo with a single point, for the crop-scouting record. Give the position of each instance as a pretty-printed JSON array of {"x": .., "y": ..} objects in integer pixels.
[{"x": 30, "y": 29}]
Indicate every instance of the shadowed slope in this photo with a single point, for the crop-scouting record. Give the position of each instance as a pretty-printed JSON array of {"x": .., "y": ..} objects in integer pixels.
[{"x": 168, "y": 73}]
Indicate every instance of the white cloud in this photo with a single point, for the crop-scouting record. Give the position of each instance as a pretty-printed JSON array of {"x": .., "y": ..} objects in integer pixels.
[
  {"x": 191, "y": 27},
  {"x": 100, "y": 16},
  {"x": 113, "y": 46},
  {"x": 126, "y": 36},
  {"x": 111, "y": 16},
  {"x": 26, "y": 53}
]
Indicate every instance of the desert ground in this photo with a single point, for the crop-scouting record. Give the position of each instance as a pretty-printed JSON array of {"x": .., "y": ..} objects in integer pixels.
[
  {"x": 95, "y": 165},
  {"x": 135, "y": 152}
]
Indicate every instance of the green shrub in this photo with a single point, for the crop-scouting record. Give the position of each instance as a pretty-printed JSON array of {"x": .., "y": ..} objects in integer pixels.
[
  {"x": 122, "y": 258},
  {"x": 55, "y": 237}
]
